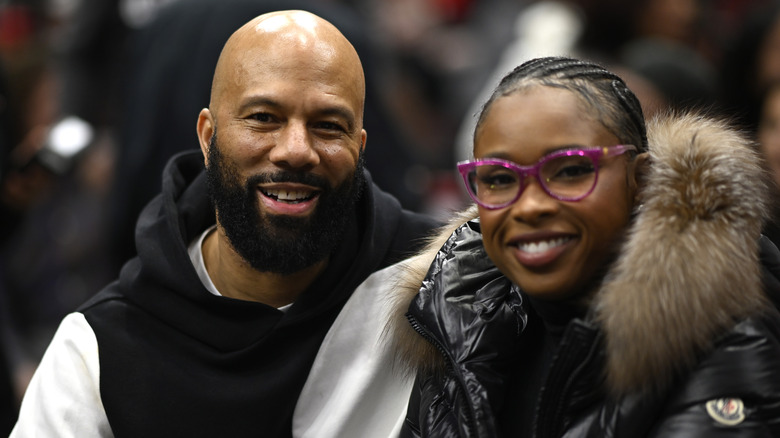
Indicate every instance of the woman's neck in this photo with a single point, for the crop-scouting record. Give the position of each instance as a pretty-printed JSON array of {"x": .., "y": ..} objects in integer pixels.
[{"x": 556, "y": 314}]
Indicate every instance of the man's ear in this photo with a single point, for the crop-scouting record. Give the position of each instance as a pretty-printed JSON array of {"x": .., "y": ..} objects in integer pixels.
[
  {"x": 205, "y": 128},
  {"x": 639, "y": 170},
  {"x": 363, "y": 136}
]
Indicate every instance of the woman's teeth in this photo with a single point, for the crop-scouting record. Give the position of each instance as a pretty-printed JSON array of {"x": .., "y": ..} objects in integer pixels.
[{"x": 539, "y": 247}]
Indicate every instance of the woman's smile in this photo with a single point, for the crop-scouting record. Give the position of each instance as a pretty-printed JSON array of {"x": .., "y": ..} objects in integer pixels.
[{"x": 539, "y": 252}]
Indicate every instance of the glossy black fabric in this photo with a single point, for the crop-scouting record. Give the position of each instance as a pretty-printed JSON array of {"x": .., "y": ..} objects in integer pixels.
[
  {"x": 176, "y": 360},
  {"x": 464, "y": 400},
  {"x": 466, "y": 307}
]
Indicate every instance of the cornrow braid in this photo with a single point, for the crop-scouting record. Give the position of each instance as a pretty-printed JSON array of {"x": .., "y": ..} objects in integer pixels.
[{"x": 617, "y": 106}]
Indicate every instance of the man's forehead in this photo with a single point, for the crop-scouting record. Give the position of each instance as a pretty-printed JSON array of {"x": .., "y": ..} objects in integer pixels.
[{"x": 289, "y": 44}]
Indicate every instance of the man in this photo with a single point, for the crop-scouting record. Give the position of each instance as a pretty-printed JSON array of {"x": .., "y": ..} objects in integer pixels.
[
  {"x": 258, "y": 325},
  {"x": 171, "y": 63}
]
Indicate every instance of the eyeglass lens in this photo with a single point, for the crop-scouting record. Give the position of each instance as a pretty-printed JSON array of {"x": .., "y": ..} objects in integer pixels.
[{"x": 563, "y": 177}]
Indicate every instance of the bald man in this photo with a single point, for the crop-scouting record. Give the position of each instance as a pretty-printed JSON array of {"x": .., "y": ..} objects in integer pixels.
[{"x": 256, "y": 303}]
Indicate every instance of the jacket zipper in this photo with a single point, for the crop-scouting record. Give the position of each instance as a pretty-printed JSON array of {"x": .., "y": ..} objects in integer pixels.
[{"x": 470, "y": 422}]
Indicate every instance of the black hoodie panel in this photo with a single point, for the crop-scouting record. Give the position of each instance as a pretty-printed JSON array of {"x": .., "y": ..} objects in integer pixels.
[{"x": 176, "y": 360}]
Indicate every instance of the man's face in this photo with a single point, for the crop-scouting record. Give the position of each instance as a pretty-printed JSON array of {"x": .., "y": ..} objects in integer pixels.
[
  {"x": 289, "y": 106},
  {"x": 279, "y": 243}
]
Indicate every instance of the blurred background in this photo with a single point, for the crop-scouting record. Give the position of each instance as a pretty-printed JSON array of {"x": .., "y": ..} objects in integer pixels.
[{"x": 96, "y": 95}]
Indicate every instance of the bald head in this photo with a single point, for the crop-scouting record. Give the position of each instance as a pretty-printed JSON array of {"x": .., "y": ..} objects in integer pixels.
[{"x": 288, "y": 40}]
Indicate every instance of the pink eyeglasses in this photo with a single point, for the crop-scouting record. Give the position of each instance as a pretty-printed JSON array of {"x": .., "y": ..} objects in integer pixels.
[{"x": 566, "y": 175}]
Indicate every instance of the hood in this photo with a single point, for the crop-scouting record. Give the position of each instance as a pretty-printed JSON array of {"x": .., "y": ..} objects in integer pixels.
[
  {"x": 688, "y": 267},
  {"x": 163, "y": 282}
]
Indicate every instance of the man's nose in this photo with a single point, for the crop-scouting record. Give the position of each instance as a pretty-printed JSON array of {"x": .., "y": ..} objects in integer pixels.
[{"x": 294, "y": 148}]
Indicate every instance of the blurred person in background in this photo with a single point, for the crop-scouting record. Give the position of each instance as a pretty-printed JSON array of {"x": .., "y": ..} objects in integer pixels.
[
  {"x": 670, "y": 46},
  {"x": 52, "y": 183},
  {"x": 27, "y": 109},
  {"x": 769, "y": 144},
  {"x": 751, "y": 63}
]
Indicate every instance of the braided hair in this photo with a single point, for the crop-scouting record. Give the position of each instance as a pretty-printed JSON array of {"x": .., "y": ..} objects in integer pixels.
[{"x": 617, "y": 107}]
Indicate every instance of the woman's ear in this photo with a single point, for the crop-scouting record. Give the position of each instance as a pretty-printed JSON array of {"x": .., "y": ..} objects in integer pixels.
[{"x": 639, "y": 169}]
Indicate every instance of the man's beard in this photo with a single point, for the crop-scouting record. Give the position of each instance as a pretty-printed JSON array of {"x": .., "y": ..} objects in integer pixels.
[{"x": 278, "y": 243}]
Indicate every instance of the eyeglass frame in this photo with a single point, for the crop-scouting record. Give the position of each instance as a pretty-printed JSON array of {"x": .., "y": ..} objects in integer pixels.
[{"x": 594, "y": 153}]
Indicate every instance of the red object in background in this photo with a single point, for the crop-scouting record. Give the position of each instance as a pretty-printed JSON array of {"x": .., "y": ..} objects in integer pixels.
[
  {"x": 454, "y": 10},
  {"x": 16, "y": 25}
]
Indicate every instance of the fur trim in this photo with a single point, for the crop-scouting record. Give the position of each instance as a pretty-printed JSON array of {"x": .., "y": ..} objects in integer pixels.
[
  {"x": 413, "y": 352},
  {"x": 689, "y": 267}
]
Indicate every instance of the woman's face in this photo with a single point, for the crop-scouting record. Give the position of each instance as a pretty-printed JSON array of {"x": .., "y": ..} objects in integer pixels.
[{"x": 553, "y": 249}]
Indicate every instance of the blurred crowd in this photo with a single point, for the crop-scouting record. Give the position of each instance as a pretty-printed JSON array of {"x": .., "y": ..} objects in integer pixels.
[{"x": 96, "y": 95}]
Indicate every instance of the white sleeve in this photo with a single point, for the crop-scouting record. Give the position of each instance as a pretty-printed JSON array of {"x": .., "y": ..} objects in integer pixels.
[
  {"x": 352, "y": 389},
  {"x": 63, "y": 398}
]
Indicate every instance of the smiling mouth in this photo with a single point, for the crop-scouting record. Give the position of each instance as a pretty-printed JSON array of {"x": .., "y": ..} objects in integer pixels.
[
  {"x": 542, "y": 246},
  {"x": 289, "y": 196}
]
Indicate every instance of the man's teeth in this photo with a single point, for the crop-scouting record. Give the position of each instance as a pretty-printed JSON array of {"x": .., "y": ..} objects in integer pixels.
[
  {"x": 288, "y": 196},
  {"x": 539, "y": 247}
]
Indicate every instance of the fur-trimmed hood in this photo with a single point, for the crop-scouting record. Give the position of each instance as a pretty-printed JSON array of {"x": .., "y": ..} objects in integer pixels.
[{"x": 688, "y": 268}]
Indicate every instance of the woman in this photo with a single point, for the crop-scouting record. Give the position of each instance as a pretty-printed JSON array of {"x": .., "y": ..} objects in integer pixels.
[{"x": 612, "y": 284}]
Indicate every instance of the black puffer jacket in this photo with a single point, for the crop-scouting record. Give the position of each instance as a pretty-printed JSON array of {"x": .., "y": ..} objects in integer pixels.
[{"x": 686, "y": 344}]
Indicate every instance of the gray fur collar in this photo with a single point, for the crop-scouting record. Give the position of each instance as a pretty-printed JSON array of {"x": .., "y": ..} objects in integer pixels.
[{"x": 688, "y": 269}]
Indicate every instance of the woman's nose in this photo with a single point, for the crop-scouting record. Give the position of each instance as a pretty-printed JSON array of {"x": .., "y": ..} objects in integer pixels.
[{"x": 534, "y": 203}]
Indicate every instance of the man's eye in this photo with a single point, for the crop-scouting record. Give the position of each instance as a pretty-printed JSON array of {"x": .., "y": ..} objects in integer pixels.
[
  {"x": 262, "y": 117},
  {"x": 330, "y": 126}
]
